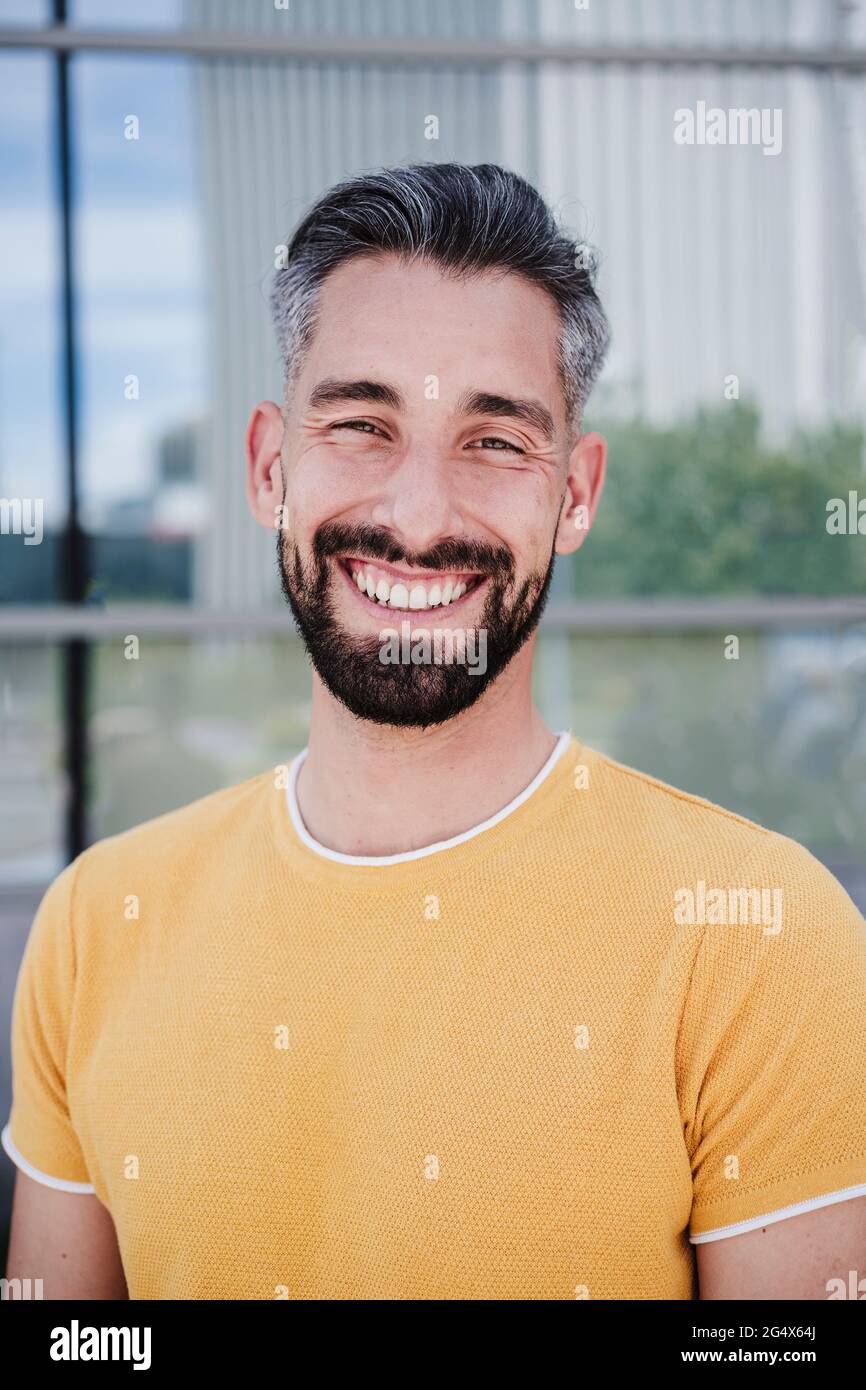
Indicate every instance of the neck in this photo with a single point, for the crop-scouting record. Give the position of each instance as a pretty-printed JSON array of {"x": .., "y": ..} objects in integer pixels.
[{"x": 370, "y": 789}]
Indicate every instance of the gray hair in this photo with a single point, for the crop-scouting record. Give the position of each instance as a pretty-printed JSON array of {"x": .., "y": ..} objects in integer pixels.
[{"x": 466, "y": 219}]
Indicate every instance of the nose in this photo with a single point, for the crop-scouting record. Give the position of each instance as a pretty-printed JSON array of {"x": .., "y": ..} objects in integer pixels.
[{"x": 418, "y": 505}]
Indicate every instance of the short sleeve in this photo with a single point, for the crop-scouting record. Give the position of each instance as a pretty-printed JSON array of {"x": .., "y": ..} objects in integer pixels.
[
  {"x": 40, "y": 1137},
  {"x": 772, "y": 1049}
]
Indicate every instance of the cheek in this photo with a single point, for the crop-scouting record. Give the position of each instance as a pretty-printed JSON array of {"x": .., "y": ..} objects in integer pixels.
[
  {"x": 326, "y": 483},
  {"x": 523, "y": 518},
  {"x": 314, "y": 493}
]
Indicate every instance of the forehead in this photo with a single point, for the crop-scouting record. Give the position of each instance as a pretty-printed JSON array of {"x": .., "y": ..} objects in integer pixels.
[{"x": 384, "y": 318}]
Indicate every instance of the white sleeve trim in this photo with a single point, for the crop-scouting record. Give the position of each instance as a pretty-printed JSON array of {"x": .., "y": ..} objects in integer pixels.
[
  {"x": 798, "y": 1209},
  {"x": 61, "y": 1184}
]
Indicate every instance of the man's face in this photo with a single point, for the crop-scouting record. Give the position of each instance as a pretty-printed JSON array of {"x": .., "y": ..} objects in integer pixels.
[{"x": 425, "y": 465}]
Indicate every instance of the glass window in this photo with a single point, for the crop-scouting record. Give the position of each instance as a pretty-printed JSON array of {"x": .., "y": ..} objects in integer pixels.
[
  {"x": 32, "y": 783},
  {"x": 188, "y": 717},
  {"x": 25, "y": 11},
  {"x": 32, "y": 463},
  {"x": 107, "y": 14},
  {"x": 140, "y": 324}
]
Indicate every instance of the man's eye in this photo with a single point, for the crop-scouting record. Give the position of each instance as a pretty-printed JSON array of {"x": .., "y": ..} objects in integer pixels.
[
  {"x": 492, "y": 441},
  {"x": 362, "y": 426}
]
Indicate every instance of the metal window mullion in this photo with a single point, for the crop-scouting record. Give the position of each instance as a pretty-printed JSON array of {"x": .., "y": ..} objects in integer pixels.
[{"x": 74, "y": 564}]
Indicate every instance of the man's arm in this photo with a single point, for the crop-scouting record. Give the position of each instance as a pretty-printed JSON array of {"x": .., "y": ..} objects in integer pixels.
[
  {"x": 66, "y": 1239},
  {"x": 790, "y": 1259}
]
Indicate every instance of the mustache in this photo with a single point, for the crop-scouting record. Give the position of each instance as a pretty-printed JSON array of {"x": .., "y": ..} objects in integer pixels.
[{"x": 374, "y": 543}]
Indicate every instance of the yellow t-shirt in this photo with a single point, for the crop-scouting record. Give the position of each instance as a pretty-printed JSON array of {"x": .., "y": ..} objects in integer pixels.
[{"x": 531, "y": 1062}]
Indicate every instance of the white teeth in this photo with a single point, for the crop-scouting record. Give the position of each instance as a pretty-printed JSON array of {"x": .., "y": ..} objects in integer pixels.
[{"x": 416, "y": 596}]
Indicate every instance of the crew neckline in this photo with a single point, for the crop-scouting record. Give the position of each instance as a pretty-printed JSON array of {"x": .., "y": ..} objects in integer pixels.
[{"x": 378, "y": 861}]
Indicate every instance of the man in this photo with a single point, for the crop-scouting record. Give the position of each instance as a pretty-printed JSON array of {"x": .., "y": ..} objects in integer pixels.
[{"x": 459, "y": 1007}]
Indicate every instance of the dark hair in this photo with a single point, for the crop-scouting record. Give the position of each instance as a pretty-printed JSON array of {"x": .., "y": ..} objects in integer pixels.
[{"x": 465, "y": 219}]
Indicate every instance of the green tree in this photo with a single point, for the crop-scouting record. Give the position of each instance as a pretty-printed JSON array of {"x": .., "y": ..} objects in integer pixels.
[{"x": 705, "y": 507}]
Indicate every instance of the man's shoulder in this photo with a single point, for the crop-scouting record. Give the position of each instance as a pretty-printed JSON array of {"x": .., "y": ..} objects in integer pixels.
[
  {"x": 659, "y": 846},
  {"x": 180, "y": 838},
  {"x": 650, "y": 815}
]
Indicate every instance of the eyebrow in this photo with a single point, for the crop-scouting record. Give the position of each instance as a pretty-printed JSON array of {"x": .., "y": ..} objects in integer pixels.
[
  {"x": 332, "y": 391},
  {"x": 530, "y": 412}
]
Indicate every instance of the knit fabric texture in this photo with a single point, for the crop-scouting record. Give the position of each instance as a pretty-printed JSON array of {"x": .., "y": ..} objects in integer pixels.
[{"x": 526, "y": 1066}]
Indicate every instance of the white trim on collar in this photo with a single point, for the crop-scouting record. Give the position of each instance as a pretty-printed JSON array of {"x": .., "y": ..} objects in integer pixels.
[{"x": 380, "y": 860}]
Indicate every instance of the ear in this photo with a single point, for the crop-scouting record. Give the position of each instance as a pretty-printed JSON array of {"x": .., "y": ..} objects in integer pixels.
[
  {"x": 585, "y": 480},
  {"x": 264, "y": 440}
]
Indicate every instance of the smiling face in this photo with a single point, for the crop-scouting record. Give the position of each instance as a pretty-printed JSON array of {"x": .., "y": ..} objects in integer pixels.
[{"x": 428, "y": 481}]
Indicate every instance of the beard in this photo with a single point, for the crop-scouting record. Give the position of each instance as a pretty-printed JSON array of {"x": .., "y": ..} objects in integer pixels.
[{"x": 406, "y": 694}]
